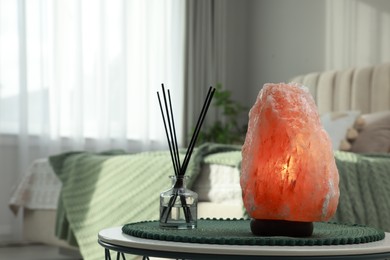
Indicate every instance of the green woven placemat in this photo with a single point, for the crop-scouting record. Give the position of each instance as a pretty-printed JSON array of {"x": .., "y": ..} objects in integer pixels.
[{"x": 237, "y": 232}]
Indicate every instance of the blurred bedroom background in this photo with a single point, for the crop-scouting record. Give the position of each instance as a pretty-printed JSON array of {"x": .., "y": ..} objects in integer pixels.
[{"x": 83, "y": 74}]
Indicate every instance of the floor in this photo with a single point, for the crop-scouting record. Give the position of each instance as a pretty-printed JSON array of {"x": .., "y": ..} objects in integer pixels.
[{"x": 32, "y": 252}]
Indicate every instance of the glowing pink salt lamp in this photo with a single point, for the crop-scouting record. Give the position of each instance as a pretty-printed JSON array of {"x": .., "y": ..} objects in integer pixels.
[{"x": 289, "y": 177}]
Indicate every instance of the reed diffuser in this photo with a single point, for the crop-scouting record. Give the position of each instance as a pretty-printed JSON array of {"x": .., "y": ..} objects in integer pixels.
[{"x": 178, "y": 205}]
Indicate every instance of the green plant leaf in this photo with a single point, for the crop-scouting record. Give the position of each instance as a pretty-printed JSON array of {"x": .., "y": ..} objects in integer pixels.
[{"x": 229, "y": 132}]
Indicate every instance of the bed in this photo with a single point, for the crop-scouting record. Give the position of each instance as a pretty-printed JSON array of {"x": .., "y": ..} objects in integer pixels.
[
  {"x": 39, "y": 191},
  {"x": 354, "y": 105}
]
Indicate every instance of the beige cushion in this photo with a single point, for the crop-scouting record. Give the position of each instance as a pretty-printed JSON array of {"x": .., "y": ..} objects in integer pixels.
[
  {"x": 352, "y": 134},
  {"x": 374, "y": 133},
  {"x": 345, "y": 145}
]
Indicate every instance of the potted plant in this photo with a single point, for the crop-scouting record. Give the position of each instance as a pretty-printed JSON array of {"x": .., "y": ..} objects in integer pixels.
[{"x": 226, "y": 129}]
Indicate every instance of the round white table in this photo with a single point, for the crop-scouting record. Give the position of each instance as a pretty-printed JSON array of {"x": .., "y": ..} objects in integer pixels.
[{"x": 114, "y": 239}]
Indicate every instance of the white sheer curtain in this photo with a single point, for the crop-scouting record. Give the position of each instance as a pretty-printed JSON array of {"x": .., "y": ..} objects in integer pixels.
[
  {"x": 357, "y": 33},
  {"x": 83, "y": 75}
]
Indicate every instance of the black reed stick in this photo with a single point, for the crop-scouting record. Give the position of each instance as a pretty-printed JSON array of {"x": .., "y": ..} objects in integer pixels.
[
  {"x": 180, "y": 169},
  {"x": 174, "y": 133},
  {"x": 191, "y": 146},
  {"x": 166, "y": 131},
  {"x": 171, "y": 129}
]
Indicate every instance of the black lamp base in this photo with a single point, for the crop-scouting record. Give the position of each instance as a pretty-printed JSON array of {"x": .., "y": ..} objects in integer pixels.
[{"x": 265, "y": 227}]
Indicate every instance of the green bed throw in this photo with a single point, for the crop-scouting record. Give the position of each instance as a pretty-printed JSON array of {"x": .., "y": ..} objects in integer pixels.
[
  {"x": 114, "y": 188},
  {"x": 105, "y": 190},
  {"x": 364, "y": 189}
]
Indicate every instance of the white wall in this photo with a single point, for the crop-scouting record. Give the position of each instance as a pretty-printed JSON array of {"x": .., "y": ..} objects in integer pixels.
[
  {"x": 271, "y": 41},
  {"x": 286, "y": 38},
  {"x": 237, "y": 52}
]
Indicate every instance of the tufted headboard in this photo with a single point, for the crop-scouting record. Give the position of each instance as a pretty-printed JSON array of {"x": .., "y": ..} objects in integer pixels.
[{"x": 366, "y": 89}]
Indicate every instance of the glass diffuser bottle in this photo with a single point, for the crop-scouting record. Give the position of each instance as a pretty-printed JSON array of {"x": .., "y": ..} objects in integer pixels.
[{"x": 178, "y": 205}]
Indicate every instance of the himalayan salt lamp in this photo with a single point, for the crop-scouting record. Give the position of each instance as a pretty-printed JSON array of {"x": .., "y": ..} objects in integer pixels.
[{"x": 289, "y": 177}]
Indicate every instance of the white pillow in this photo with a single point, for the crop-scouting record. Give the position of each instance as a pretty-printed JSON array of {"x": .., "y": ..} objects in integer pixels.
[{"x": 336, "y": 124}]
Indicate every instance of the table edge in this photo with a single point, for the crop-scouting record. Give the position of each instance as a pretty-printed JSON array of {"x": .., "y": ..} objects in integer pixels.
[{"x": 116, "y": 237}]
